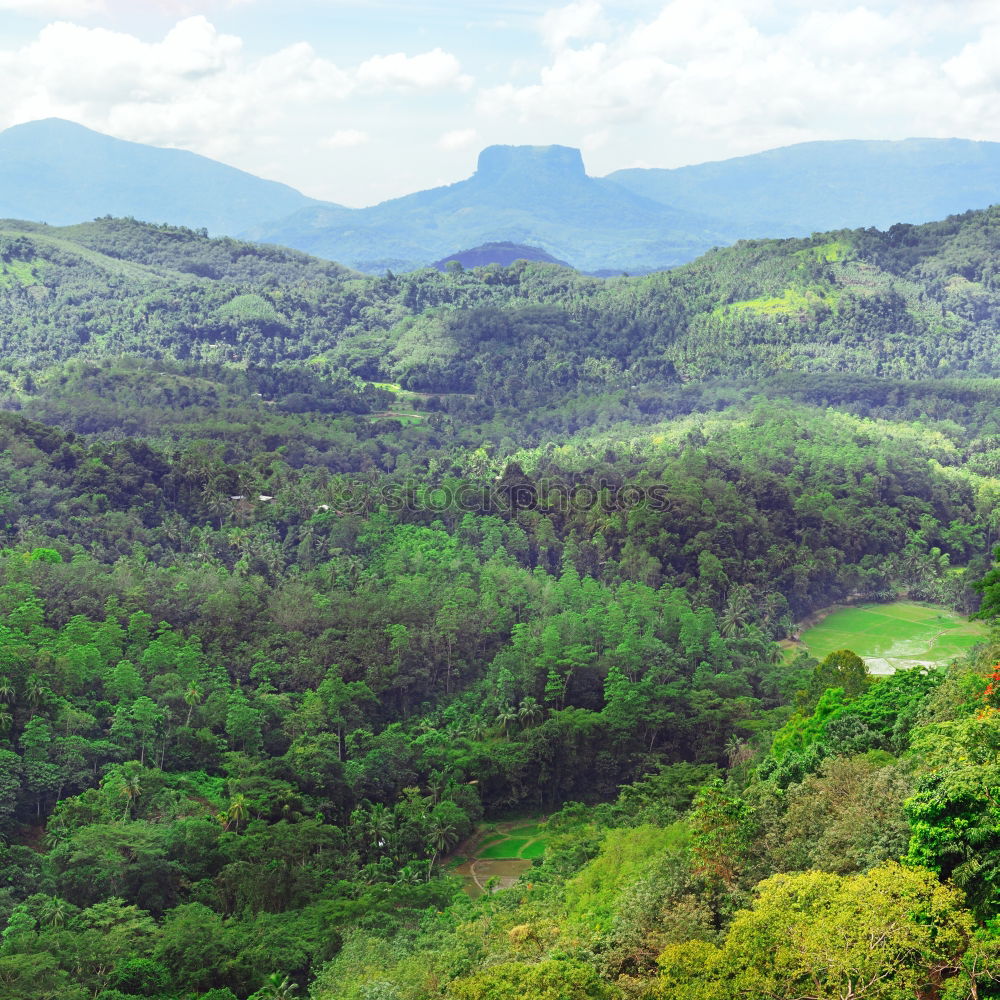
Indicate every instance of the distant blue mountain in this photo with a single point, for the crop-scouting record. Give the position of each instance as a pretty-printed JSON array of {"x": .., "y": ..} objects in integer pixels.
[
  {"x": 59, "y": 172},
  {"x": 816, "y": 186},
  {"x": 538, "y": 195}
]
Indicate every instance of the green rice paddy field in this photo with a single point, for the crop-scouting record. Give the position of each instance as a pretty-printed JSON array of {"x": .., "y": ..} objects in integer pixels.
[
  {"x": 896, "y": 636},
  {"x": 497, "y": 856},
  {"x": 520, "y": 842}
]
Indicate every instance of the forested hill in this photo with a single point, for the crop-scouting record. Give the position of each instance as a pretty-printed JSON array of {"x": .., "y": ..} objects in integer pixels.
[
  {"x": 913, "y": 302},
  {"x": 310, "y": 580}
]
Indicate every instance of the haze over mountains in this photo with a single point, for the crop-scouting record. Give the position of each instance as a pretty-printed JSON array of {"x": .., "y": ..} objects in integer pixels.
[
  {"x": 59, "y": 172},
  {"x": 539, "y": 195},
  {"x": 813, "y": 186},
  {"x": 633, "y": 220}
]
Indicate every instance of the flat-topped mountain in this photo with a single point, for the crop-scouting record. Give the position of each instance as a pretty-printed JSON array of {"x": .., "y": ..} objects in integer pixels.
[
  {"x": 538, "y": 195},
  {"x": 637, "y": 220}
]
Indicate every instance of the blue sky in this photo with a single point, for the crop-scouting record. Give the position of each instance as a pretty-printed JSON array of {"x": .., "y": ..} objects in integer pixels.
[{"x": 357, "y": 101}]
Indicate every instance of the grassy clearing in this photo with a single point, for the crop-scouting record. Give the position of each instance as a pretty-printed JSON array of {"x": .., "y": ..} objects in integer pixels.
[
  {"x": 833, "y": 252},
  {"x": 127, "y": 268},
  {"x": 895, "y": 636},
  {"x": 533, "y": 850},
  {"x": 791, "y": 302},
  {"x": 500, "y": 854},
  {"x": 18, "y": 272}
]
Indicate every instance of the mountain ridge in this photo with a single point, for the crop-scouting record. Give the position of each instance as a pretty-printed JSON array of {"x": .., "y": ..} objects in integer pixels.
[
  {"x": 636, "y": 220},
  {"x": 832, "y": 184},
  {"x": 96, "y": 174}
]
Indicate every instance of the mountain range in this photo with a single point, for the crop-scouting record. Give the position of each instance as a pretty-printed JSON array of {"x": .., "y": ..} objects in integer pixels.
[
  {"x": 633, "y": 220},
  {"x": 59, "y": 172}
]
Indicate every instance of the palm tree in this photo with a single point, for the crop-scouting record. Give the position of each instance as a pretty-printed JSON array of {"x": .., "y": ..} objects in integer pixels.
[
  {"x": 131, "y": 790},
  {"x": 736, "y": 613},
  {"x": 54, "y": 833},
  {"x": 36, "y": 691},
  {"x": 506, "y": 717},
  {"x": 237, "y": 811},
  {"x": 6, "y": 689},
  {"x": 738, "y": 751},
  {"x": 6, "y": 719},
  {"x": 442, "y": 835},
  {"x": 192, "y": 697},
  {"x": 380, "y": 824},
  {"x": 277, "y": 987},
  {"x": 215, "y": 502},
  {"x": 55, "y": 912},
  {"x": 529, "y": 711},
  {"x": 408, "y": 875}
]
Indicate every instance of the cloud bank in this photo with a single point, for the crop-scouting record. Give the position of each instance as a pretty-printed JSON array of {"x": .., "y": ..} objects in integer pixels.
[{"x": 633, "y": 83}]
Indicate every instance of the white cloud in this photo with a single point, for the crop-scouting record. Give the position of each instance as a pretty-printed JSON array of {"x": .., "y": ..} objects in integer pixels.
[
  {"x": 460, "y": 138},
  {"x": 435, "y": 70},
  {"x": 976, "y": 68},
  {"x": 697, "y": 81},
  {"x": 197, "y": 88},
  {"x": 346, "y": 138},
  {"x": 577, "y": 20}
]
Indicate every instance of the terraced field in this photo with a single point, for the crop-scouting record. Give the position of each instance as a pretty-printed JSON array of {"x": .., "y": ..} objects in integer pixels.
[{"x": 500, "y": 854}]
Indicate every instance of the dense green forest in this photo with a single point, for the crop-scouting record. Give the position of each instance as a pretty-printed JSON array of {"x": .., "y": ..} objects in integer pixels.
[{"x": 306, "y": 577}]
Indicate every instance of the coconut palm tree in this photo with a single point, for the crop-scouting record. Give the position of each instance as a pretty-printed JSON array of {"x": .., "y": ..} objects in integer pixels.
[
  {"x": 738, "y": 751},
  {"x": 55, "y": 912},
  {"x": 36, "y": 691},
  {"x": 529, "y": 711},
  {"x": 192, "y": 697},
  {"x": 408, "y": 875},
  {"x": 238, "y": 811},
  {"x": 216, "y": 503},
  {"x": 54, "y": 834},
  {"x": 506, "y": 716},
  {"x": 131, "y": 790},
  {"x": 380, "y": 824},
  {"x": 277, "y": 987},
  {"x": 442, "y": 835},
  {"x": 736, "y": 613}
]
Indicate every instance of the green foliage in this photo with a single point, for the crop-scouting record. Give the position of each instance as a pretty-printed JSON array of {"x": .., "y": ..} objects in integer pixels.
[
  {"x": 818, "y": 935},
  {"x": 264, "y": 666},
  {"x": 549, "y": 980}
]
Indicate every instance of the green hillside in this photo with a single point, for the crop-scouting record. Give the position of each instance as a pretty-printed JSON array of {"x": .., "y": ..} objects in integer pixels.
[
  {"x": 330, "y": 602},
  {"x": 911, "y": 303}
]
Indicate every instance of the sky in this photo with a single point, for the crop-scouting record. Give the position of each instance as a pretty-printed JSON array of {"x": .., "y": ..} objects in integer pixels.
[{"x": 355, "y": 102}]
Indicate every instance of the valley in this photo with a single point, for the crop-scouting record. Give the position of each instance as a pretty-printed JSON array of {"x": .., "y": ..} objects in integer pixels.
[{"x": 419, "y": 635}]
